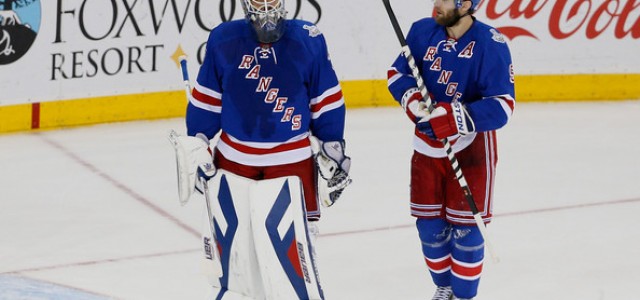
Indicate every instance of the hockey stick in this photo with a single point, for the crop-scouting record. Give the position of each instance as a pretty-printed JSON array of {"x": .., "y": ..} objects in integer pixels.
[
  {"x": 447, "y": 145},
  {"x": 213, "y": 255}
]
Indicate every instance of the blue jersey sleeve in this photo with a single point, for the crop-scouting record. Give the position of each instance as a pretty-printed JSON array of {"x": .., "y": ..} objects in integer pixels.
[
  {"x": 327, "y": 102},
  {"x": 399, "y": 76},
  {"x": 496, "y": 87},
  {"x": 205, "y": 104}
]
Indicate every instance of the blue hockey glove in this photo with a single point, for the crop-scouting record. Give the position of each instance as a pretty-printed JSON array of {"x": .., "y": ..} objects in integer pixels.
[{"x": 446, "y": 121}]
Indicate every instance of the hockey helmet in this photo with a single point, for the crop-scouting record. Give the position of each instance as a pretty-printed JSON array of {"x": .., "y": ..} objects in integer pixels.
[
  {"x": 474, "y": 4},
  {"x": 266, "y": 18}
]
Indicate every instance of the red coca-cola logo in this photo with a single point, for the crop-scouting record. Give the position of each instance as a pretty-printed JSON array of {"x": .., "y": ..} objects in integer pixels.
[{"x": 569, "y": 18}]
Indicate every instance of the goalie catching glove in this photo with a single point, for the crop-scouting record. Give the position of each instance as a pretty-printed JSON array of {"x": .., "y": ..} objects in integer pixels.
[
  {"x": 333, "y": 170},
  {"x": 194, "y": 163}
]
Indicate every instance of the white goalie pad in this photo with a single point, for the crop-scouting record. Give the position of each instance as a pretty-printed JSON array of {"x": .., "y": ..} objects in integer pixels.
[
  {"x": 229, "y": 196},
  {"x": 262, "y": 234},
  {"x": 190, "y": 153},
  {"x": 282, "y": 240}
]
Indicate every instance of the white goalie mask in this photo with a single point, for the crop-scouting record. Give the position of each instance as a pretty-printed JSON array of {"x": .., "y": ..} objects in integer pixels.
[{"x": 266, "y": 18}]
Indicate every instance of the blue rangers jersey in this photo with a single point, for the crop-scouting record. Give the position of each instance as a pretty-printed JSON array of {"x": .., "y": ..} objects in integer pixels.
[
  {"x": 266, "y": 99},
  {"x": 475, "y": 70}
]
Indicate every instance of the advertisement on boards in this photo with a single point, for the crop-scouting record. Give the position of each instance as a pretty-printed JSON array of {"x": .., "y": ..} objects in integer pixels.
[{"x": 59, "y": 50}]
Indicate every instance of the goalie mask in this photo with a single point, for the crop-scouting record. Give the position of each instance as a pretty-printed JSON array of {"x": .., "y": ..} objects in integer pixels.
[{"x": 266, "y": 18}]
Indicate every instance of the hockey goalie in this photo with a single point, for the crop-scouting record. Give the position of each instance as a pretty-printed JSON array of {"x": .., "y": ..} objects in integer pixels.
[{"x": 266, "y": 91}]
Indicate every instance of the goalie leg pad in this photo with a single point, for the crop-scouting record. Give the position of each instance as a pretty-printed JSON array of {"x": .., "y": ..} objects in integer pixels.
[
  {"x": 263, "y": 239},
  {"x": 217, "y": 294},
  {"x": 230, "y": 207},
  {"x": 285, "y": 254}
]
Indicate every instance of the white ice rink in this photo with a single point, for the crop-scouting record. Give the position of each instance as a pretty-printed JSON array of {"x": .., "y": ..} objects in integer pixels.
[{"x": 92, "y": 212}]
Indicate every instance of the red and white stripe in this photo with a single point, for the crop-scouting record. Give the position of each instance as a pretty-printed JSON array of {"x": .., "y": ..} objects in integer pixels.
[
  {"x": 329, "y": 100},
  {"x": 506, "y": 102},
  {"x": 422, "y": 210},
  {"x": 392, "y": 76},
  {"x": 262, "y": 154},
  {"x": 439, "y": 265},
  {"x": 431, "y": 148},
  {"x": 466, "y": 271},
  {"x": 206, "y": 98}
]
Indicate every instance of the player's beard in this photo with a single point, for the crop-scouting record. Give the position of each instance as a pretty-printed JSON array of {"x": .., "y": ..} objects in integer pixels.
[{"x": 448, "y": 18}]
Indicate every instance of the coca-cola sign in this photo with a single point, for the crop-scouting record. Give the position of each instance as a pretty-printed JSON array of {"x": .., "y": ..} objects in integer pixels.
[{"x": 565, "y": 19}]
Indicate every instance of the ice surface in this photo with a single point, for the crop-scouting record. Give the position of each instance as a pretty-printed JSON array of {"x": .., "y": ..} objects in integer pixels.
[{"x": 92, "y": 212}]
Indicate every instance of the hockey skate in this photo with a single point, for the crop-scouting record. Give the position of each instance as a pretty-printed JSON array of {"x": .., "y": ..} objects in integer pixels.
[{"x": 443, "y": 293}]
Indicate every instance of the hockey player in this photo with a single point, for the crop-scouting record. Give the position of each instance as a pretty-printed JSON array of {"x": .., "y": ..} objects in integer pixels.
[
  {"x": 467, "y": 69},
  {"x": 266, "y": 86}
]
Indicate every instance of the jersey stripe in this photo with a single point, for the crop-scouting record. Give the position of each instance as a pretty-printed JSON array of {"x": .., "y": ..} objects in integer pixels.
[
  {"x": 329, "y": 100},
  {"x": 207, "y": 91},
  {"x": 265, "y": 154},
  {"x": 508, "y": 104},
  {"x": 424, "y": 145},
  {"x": 392, "y": 76},
  {"x": 207, "y": 99},
  {"x": 265, "y": 149}
]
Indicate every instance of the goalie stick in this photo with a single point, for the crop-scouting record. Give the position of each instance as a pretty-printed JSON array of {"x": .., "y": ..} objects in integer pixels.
[
  {"x": 447, "y": 145},
  {"x": 211, "y": 248}
]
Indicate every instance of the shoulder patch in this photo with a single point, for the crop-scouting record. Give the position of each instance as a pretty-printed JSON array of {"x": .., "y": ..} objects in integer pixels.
[
  {"x": 313, "y": 30},
  {"x": 497, "y": 36}
]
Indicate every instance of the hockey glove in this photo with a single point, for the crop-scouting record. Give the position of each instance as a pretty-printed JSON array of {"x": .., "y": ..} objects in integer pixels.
[
  {"x": 333, "y": 168},
  {"x": 206, "y": 169},
  {"x": 193, "y": 161},
  {"x": 413, "y": 105},
  {"x": 447, "y": 121}
]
